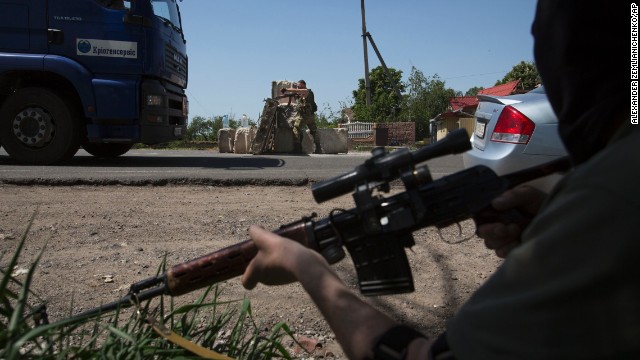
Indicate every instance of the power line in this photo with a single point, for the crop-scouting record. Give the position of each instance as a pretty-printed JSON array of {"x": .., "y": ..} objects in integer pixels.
[
  {"x": 472, "y": 75},
  {"x": 194, "y": 98}
]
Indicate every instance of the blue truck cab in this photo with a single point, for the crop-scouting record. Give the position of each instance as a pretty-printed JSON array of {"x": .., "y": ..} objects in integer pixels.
[{"x": 101, "y": 74}]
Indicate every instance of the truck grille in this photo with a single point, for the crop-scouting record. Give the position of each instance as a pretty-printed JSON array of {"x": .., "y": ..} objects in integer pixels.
[{"x": 176, "y": 63}]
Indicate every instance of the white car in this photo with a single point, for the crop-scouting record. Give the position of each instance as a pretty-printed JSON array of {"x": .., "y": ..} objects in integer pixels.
[{"x": 516, "y": 132}]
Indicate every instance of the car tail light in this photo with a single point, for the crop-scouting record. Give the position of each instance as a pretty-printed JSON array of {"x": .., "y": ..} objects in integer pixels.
[{"x": 513, "y": 127}]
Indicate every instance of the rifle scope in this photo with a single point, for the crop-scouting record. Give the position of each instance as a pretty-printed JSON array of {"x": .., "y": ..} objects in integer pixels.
[{"x": 385, "y": 167}]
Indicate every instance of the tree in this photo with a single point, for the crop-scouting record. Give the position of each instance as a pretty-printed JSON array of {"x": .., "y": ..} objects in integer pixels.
[
  {"x": 427, "y": 97},
  {"x": 473, "y": 91},
  {"x": 526, "y": 72},
  {"x": 385, "y": 104},
  {"x": 328, "y": 117},
  {"x": 200, "y": 129},
  {"x": 216, "y": 126}
]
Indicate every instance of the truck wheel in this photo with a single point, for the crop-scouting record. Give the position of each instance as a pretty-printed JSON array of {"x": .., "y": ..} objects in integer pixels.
[
  {"x": 38, "y": 126},
  {"x": 106, "y": 150}
]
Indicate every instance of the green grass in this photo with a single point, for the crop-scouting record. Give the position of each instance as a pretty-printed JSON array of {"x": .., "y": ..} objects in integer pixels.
[{"x": 226, "y": 327}]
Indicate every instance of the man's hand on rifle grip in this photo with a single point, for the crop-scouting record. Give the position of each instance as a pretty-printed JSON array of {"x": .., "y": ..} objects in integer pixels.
[{"x": 510, "y": 213}]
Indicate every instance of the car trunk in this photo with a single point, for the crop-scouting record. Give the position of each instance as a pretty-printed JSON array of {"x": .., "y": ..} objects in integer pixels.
[{"x": 486, "y": 116}]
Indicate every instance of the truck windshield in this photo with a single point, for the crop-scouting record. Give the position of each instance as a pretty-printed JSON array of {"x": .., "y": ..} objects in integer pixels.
[{"x": 167, "y": 11}]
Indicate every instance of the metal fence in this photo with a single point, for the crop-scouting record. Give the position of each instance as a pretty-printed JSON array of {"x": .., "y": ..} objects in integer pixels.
[{"x": 359, "y": 130}]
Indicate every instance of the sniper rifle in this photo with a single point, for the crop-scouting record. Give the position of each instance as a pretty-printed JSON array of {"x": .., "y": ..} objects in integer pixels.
[{"x": 375, "y": 232}]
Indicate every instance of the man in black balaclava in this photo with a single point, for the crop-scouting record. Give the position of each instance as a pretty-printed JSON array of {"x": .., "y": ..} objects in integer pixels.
[
  {"x": 581, "y": 52},
  {"x": 568, "y": 287}
]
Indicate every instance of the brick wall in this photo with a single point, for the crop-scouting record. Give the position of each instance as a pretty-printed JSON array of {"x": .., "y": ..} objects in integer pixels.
[{"x": 399, "y": 133}]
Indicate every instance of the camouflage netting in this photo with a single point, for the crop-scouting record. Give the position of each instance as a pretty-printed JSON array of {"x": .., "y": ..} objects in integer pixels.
[{"x": 275, "y": 114}]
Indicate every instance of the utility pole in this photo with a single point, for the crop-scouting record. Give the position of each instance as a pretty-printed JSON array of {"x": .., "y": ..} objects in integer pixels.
[{"x": 367, "y": 83}]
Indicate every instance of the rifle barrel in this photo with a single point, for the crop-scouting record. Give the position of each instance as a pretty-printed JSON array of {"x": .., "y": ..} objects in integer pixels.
[
  {"x": 562, "y": 164},
  {"x": 126, "y": 301}
]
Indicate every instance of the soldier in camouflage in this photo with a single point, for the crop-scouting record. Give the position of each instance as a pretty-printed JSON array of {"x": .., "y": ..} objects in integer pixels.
[{"x": 304, "y": 114}]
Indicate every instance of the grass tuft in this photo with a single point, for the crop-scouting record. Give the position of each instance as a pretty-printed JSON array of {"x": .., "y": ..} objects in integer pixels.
[{"x": 226, "y": 327}]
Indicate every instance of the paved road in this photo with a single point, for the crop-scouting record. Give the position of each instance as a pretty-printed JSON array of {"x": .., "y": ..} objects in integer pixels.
[{"x": 139, "y": 167}]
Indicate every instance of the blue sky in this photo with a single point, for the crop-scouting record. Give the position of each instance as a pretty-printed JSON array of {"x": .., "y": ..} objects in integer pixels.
[{"x": 237, "y": 47}]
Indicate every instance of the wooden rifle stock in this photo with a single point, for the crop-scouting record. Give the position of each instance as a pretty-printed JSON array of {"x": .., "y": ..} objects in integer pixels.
[
  {"x": 220, "y": 265},
  {"x": 228, "y": 262}
]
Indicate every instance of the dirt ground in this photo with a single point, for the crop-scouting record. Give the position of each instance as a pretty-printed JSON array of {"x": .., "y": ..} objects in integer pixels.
[{"x": 101, "y": 239}]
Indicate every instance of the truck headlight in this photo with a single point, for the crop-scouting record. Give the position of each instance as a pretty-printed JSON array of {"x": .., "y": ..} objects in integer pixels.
[{"x": 153, "y": 100}]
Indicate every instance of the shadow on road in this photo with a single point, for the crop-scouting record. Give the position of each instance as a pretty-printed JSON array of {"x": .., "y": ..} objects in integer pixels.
[{"x": 134, "y": 161}]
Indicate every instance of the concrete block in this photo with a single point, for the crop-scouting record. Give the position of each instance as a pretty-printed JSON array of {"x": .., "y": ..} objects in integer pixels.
[
  {"x": 308, "y": 146},
  {"x": 283, "y": 140},
  {"x": 243, "y": 139},
  {"x": 332, "y": 141},
  {"x": 226, "y": 137}
]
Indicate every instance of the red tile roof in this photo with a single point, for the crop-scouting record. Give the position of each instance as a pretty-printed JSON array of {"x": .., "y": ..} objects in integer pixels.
[
  {"x": 461, "y": 102},
  {"x": 501, "y": 90}
]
